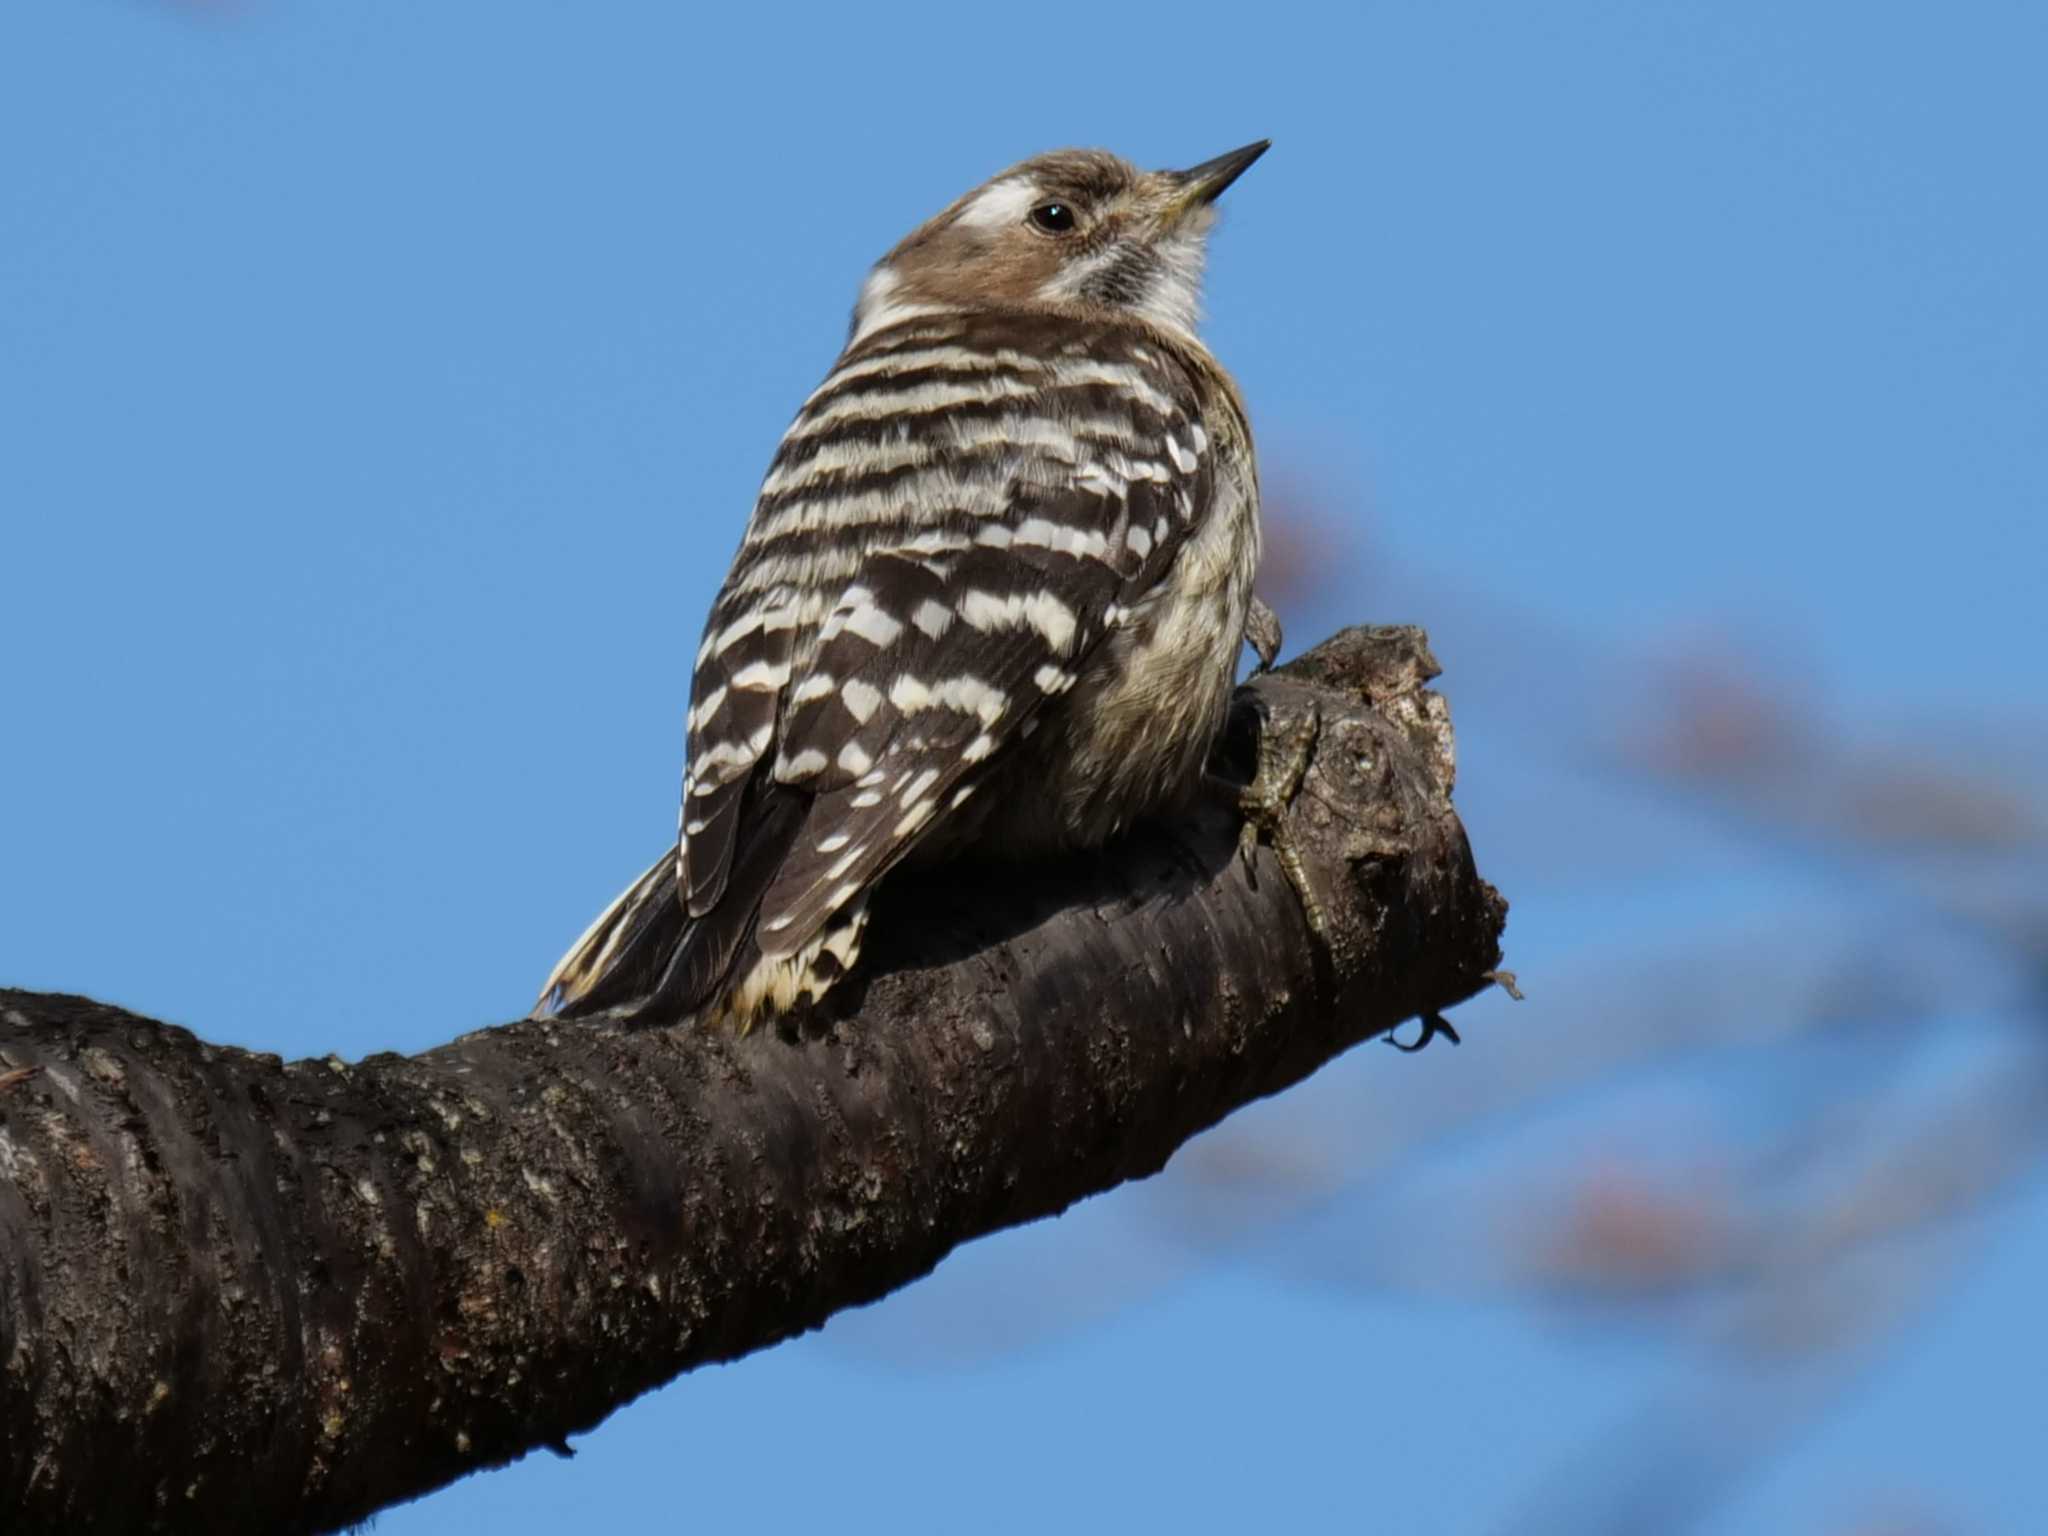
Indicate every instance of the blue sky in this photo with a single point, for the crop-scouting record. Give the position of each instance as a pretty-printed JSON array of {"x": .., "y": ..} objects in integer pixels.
[{"x": 383, "y": 388}]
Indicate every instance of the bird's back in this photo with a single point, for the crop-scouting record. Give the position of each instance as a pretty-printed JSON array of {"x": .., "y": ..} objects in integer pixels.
[{"x": 980, "y": 556}]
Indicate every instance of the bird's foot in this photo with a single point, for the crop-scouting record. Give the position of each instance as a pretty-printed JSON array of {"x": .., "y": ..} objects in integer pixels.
[{"x": 1284, "y": 756}]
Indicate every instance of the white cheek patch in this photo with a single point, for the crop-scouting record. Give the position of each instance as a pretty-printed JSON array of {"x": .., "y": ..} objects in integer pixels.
[
  {"x": 879, "y": 304},
  {"x": 997, "y": 205},
  {"x": 1172, "y": 298},
  {"x": 880, "y": 287},
  {"x": 1069, "y": 278}
]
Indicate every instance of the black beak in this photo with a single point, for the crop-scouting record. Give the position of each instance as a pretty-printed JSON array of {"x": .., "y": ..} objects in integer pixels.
[{"x": 1205, "y": 182}]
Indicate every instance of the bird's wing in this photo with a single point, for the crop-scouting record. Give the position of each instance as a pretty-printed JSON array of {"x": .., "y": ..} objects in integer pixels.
[
  {"x": 960, "y": 596},
  {"x": 907, "y": 730},
  {"x": 743, "y": 669}
]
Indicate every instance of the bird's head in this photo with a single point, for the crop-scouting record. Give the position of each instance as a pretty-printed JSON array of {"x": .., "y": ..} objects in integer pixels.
[{"x": 1077, "y": 228}]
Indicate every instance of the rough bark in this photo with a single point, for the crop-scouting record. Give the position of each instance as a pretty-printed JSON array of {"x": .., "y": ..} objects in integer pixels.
[{"x": 239, "y": 1293}]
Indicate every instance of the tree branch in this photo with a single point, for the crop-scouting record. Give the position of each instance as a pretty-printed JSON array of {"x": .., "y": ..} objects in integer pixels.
[{"x": 238, "y": 1293}]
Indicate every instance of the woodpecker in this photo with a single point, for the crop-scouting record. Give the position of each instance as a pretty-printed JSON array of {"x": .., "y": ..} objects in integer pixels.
[{"x": 990, "y": 599}]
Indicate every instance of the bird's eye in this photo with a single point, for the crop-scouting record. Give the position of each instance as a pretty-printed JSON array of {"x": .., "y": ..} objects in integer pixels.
[{"x": 1053, "y": 218}]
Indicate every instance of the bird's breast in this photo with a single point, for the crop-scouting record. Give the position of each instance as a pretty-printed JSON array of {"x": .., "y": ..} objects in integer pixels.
[{"x": 1131, "y": 740}]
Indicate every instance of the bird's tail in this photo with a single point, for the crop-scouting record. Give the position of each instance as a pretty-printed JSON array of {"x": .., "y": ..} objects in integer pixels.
[
  {"x": 646, "y": 960},
  {"x": 620, "y": 959}
]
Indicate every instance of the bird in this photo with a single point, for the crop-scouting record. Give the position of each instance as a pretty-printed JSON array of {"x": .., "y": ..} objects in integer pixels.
[{"x": 990, "y": 600}]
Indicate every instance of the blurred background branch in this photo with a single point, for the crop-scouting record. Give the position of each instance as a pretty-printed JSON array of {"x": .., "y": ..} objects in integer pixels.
[{"x": 1758, "y": 1151}]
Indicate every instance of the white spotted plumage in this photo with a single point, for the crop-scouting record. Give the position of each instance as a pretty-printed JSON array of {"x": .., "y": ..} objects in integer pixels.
[{"x": 1010, "y": 540}]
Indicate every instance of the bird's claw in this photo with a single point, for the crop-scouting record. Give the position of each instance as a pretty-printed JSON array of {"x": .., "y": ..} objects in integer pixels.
[
  {"x": 1262, "y": 633},
  {"x": 1433, "y": 1024}
]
